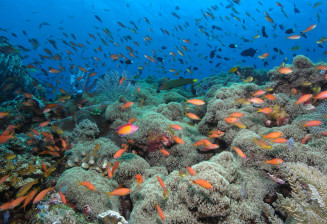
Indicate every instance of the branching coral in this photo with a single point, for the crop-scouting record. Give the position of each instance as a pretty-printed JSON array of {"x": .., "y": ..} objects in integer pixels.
[
  {"x": 110, "y": 86},
  {"x": 309, "y": 195}
]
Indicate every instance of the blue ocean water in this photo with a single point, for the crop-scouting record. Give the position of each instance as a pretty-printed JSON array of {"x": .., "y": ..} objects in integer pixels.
[{"x": 208, "y": 25}]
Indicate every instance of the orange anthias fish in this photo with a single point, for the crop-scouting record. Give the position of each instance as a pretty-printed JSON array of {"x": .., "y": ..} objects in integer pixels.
[
  {"x": 176, "y": 127},
  {"x": 160, "y": 213},
  {"x": 4, "y": 114},
  {"x": 270, "y": 97},
  {"x": 127, "y": 105},
  {"x": 192, "y": 116},
  {"x": 178, "y": 140},
  {"x": 203, "y": 183},
  {"x": 216, "y": 134},
  {"x": 139, "y": 179},
  {"x": 266, "y": 110},
  {"x": 41, "y": 195},
  {"x": 164, "y": 152},
  {"x": 62, "y": 196},
  {"x": 4, "y": 178},
  {"x": 304, "y": 98},
  {"x": 87, "y": 184},
  {"x": 17, "y": 202},
  {"x": 126, "y": 129},
  {"x": 45, "y": 123},
  {"x": 259, "y": 92},
  {"x": 119, "y": 192},
  {"x": 273, "y": 135},
  {"x": 29, "y": 197},
  {"x": 313, "y": 123},
  {"x": 294, "y": 37},
  {"x": 275, "y": 161},
  {"x": 239, "y": 152},
  {"x": 285, "y": 71},
  {"x": 279, "y": 140},
  {"x": 236, "y": 114},
  {"x": 309, "y": 28},
  {"x": 119, "y": 153},
  {"x": 196, "y": 102},
  {"x": 262, "y": 143},
  {"x": 231, "y": 120},
  {"x": 190, "y": 171},
  {"x": 322, "y": 67},
  {"x": 256, "y": 100},
  {"x": 121, "y": 80},
  {"x": 322, "y": 95}
]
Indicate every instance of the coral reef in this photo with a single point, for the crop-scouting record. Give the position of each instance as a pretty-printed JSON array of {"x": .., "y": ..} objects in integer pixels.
[
  {"x": 80, "y": 196},
  {"x": 308, "y": 200},
  {"x": 304, "y": 76}
]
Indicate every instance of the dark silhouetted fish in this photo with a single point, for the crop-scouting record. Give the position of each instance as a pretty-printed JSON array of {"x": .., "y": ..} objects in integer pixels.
[
  {"x": 296, "y": 10},
  {"x": 289, "y": 31},
  {"x": 248, "y": 52},
  {"x": 98, "y": 18},
  {"x": 232, "y": 46},
  {"x": 263, "y": 30},
  {"x": 163, "y": 47},
  {"x": 175, "y": 14},
  {"x": 213, "y": 52}
]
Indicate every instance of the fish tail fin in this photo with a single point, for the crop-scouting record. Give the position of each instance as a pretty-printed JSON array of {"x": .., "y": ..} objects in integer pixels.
[{"x": 109, "y": 194}]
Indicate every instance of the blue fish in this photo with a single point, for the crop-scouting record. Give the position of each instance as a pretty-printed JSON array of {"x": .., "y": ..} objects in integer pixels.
[{"x": 290, "y": 143}]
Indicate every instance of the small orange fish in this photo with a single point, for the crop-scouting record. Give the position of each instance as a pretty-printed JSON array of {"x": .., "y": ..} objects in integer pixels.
[
  {"x": 259, "y": 92},
  {"x": 266, "y": 110},
  {"x": 17, "y": 202},
  {"x": 306, "y": 138},
  {"x": 311, "y": 27},
  {"x": 164, "y": 152},
  {"x": 139, "y": 179},
  {"x": 304, "y": 98},
  {"x": 122, "y": 80},
  {"x": 53, "y": 70},
  {"x": 270, "y": 97},
  {"x": 294, "y": 91},
  {"x": 239, "y": 152},
  {"x": 256, "y": 100},
  {"x": 109, "y": 172},
  {"x": 264, "y": 56},
  {"x": 41, "y": 195},
  {"x": 161, "y": 182},
  {"x": 138, "y": 89},
  {"x": 196, "y": 102},
  {"x": 178, "y": 140},
  {"x": 45, "y": 123},
  {"x": 275, "y": 161},
  {"x": 231, "y": 120},
  {"x": 313, "y": 123},
  {"x": 176, "y": 127},
  {"x": 62, "y": 196},
  {"x": 160, "y": 213},
  {"x": 4, "y": 178},
  {"x": 203, "y": 183},
  {"x": 190, "y": 171},
  {"x": 192, "y": 116},
  {"x": 322, "y": 67},
  {"x": 279, "y": 140},
  {"x": 294, "y": 37},
  {"x": 119, "y": 153},
  {"x": 114, "y": 167},
  {"x": 6, "y": 206},
  {"x": 119, "y": 192},
  {"x": 4, "y": 114},
  {"x": 127, "y": 105},
  {"x": 29, "y": 197},
  {"x": 285, "y": 71},
  {"x": 262, "y": 143},
  {"x": 322, "y": 95},
  {"x": 87, "y": 184},
  {"x": 126, "y": 129},
  {"x": 236, "y": 114},
  {"x": 273, "y": 135}
]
